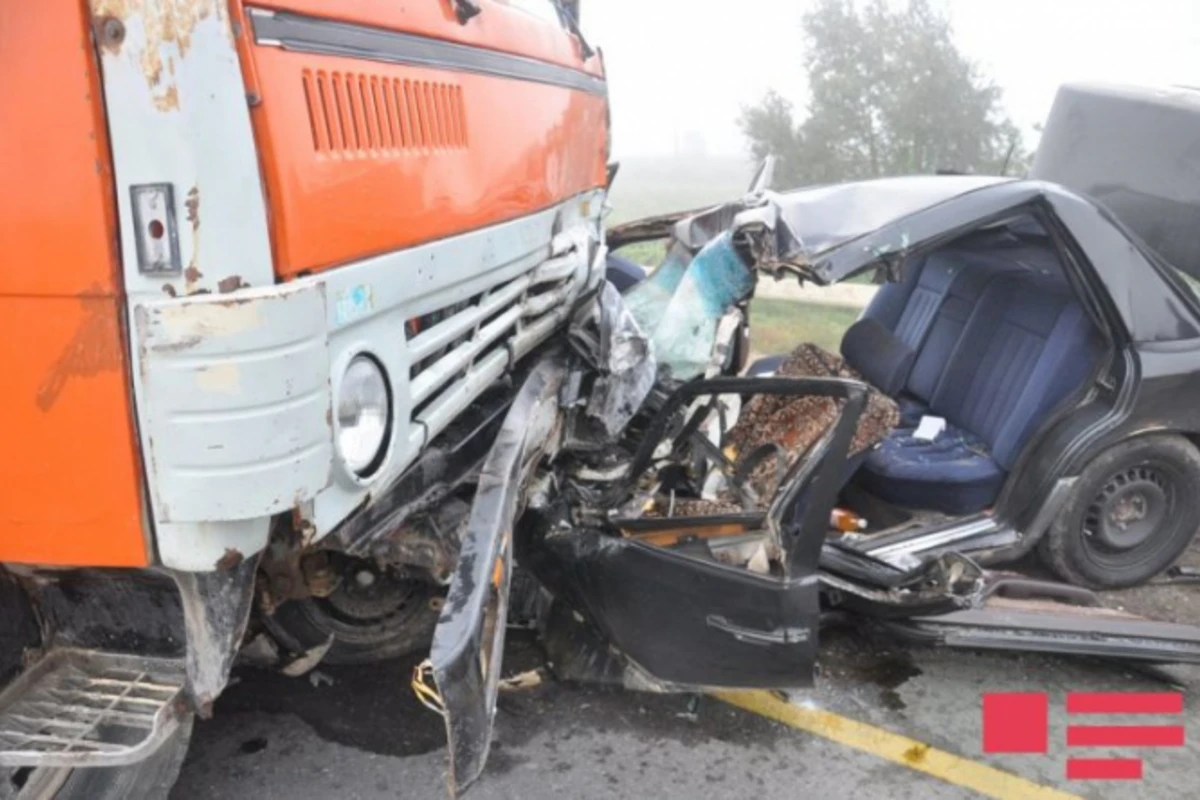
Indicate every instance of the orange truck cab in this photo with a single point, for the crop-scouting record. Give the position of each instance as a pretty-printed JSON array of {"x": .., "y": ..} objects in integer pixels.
[{"x": 268, "y": 274}]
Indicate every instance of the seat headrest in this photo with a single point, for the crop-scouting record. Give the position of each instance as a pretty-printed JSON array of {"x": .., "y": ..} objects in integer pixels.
[{"x": 882, "y": 358}]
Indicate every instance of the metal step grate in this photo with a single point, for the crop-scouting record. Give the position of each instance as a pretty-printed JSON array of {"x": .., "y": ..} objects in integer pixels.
[{"x": 83, "y": 708}]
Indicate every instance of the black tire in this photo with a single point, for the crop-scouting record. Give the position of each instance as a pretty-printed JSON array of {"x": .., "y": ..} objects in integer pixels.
[
  {"x": 365, "y": 629},
  {"x": 151, "y": 779},
  {"x": 1133, "y": 512}
]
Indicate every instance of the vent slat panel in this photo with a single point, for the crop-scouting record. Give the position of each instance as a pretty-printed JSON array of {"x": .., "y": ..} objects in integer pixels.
[{"x": 375, "y": 115}]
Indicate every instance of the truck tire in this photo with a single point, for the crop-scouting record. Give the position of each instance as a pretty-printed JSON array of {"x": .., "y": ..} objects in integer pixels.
[
  {"x": 1133, "y": 512},
  {"x": 388, "y": 618},
  {"x": 151, "y": 779}
]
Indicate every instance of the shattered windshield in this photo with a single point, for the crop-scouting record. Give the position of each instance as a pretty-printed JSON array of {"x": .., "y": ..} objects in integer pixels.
[{"x": 680, "y": 306}]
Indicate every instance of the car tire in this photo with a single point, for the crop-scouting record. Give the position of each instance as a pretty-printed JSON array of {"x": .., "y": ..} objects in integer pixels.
[
  {"x": 1132, "y": 513},
  {"x": 151, "y": 779}
]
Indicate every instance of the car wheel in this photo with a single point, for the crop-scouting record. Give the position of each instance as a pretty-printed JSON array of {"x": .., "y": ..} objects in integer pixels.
[
  {"x": 373, "y": 615},
  {"x": 1134, "y": 510},
  {"x": 151, "y": 779}
]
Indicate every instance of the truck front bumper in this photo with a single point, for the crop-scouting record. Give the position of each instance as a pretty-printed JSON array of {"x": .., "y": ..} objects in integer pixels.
[{"x": 235, "y": 392}]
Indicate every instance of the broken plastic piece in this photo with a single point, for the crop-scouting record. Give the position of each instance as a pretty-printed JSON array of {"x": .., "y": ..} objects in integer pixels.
[
  {"x": 680, "y": 307},
  {"x": 308, "y": 660},
  {"x": 522, "y": 680},
  {"x": 846, "y": 521},
  {"x": 609, "y": 338}
]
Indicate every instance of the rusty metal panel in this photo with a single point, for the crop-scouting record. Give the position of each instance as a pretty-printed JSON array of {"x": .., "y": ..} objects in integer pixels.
[
  {"x": 235, "y": 405},
  {"x": 178, "y": 116}
]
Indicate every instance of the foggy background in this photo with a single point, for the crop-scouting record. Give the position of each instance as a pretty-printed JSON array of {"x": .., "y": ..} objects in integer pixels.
[
  {"x": 682, "y": 73},
  {"x": 680, "y": 70}
]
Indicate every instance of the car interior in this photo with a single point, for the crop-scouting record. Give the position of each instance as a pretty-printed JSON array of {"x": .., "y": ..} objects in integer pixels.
[
  {"x": 985, "y": 334},
  {"x": 984, "y": 337}
]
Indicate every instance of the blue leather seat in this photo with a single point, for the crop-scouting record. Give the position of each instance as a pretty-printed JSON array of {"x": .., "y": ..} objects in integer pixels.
[
  {"x": 955, "y": 473},
  {"x": 1001, "y": 345}
]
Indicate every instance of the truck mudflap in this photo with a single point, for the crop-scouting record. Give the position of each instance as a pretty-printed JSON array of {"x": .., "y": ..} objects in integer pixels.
[{"x": 468, "y": 643}]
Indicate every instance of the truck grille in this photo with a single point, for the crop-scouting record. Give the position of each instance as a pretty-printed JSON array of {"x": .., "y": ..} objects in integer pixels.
[{"x": 457, "y": 351}]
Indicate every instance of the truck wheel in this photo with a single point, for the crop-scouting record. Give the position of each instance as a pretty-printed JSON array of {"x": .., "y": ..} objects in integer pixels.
[
  {"x": 1134, "y": 510},
  {"x": 151, "y": 779},
  {"x": 373, "y": 615}
]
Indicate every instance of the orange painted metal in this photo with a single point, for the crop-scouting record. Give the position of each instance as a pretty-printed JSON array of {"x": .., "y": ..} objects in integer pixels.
[
  {"x": 362, "y": 157},
  {"x": 70, "y": 476},
  {"x": 500, "y": 25}
]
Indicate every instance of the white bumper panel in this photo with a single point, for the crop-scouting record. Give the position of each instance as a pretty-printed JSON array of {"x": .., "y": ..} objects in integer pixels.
[
  {"x": 235, "y": 391},
  {"x": 235, "y": 402}
]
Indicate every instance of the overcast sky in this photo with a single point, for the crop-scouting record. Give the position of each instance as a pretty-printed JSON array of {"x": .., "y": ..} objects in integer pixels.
[{"x": 677, "y": 67}]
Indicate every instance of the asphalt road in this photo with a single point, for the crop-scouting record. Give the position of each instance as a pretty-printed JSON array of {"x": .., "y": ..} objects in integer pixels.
[{"x": 364, "y": 736}]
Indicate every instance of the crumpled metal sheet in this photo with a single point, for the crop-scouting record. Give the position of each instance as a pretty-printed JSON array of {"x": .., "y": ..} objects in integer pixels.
[
  {"x": 682, "y": 303},
  {"x": 608, "y": 336},
  {"x": 792, "y": 231}
]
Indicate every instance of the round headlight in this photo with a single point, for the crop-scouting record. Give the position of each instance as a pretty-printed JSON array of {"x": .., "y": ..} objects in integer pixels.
[{"x": 363, "y": 410}]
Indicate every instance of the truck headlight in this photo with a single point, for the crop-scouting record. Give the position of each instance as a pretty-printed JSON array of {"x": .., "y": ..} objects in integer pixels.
[{"x": 363, "y": 411}]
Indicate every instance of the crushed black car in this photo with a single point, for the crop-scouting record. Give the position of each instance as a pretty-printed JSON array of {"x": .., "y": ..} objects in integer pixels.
[{"x": 1021, "y": 380}]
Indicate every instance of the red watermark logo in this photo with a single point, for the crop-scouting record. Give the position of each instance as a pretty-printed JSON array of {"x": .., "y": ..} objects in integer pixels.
[{"x": 1020, "y": 723}]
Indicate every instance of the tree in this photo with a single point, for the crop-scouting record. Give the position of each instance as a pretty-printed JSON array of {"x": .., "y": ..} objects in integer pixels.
[{"x": 890, "y": 95}]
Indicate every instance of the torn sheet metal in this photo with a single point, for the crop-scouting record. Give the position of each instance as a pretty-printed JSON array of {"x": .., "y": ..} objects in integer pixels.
[
  {"x": 468, "y": 642},
  {"x": 681, "y": 304},
  {"x": 780, "y": 231},
  {"x": 826, "y": 234},
  {"x": 216, "y": 611},
  {"x": 608, "y": 337},
  {"x": 1036, "y": 616}
]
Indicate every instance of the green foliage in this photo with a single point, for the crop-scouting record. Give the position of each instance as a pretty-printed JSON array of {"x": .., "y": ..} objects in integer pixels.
[
  {"x": 648, "y": 254},
  {"x": 890, "y": 95}
]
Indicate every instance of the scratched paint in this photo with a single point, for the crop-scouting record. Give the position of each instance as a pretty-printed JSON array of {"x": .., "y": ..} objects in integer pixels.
[
  {"x": 169, "y": 25},
  {"x": 220, "y": 379},
  {"x": 92, "y": 350},
  {"x": 197, "y": 321}
]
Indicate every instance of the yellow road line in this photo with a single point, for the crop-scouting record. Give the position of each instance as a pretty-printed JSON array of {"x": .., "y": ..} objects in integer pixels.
[{"x": 960, "y": 771}]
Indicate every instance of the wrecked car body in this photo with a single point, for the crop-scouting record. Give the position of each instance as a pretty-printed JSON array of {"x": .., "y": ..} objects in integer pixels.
[{"x": 687, "y": 553}]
